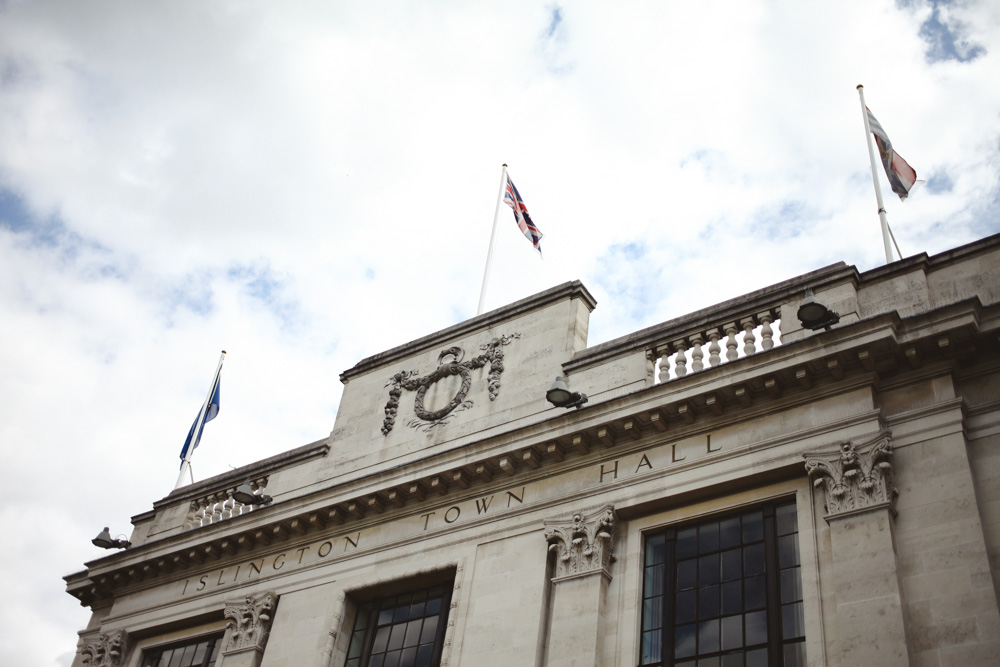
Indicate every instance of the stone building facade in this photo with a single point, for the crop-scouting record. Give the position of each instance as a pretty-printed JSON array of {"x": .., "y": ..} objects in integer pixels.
[{"x": 737, "y": 490}]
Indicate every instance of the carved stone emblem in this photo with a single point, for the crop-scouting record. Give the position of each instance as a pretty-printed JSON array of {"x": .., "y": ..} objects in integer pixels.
[
  {"x": 584, "y": 544},
  {"x": 250, "y": 622},
  {"x": 449, "y": 364},
  {"x": 107, "y": 651},
  {"x": 855, "y": 477}
]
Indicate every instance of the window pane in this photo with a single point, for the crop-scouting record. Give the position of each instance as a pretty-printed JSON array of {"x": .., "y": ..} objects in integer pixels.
[
  {"x": 708, "y": 538},
  {"x": 429, "y": 630},
  {"x": 412, "y": 637},
  {"x": 377, "y": 660},
  {"x": 795, "y": 654},
  {"x": 732, "y": 632},
  {"x": 408, "y": 657},
  {"x": 755, "y": 590},
  {"x": 732, "y": 660},
  {"x": 391, "y": 659},
  {"x": 684, "y": 641},
  {"x": 686, "y": 606},
  {"x": 687, "y": 543},
  {"x": 651, "y": 649},
  {"x": 729, "y": 533},
  {"x": 709, "y": 662},
  {"x": 753, "y": 527},
  {"x": 732, "y": 597},
  {"x": 791, "y": 585},
  {"x": 788, "y": 550},
  {"x": 402, "y": 610},
  {"x": 655, "y": 549},
  {"x": 786, "y": 519},
  {"x": 791, "y": 621},
  {"x": 756, "y": 627},
  {"x": 199, "y": 654},
  {"x": 687, "y": 574},
  {"x": 708, "y": 636},
  {"x": 424, "y": 654},
  {"x": 757, "y": 658},
  {"x": 385, "y": 616},
  {"x": 652, "y": 613},
  {"x": 732, "y": 564},
  {"x": 381, "y": 639},
  {"x": 708, "y": 570},
  {"x": 654, "y": 580},
  {"x": 708, "y": 601},
  {"x": 433, "y": 604},
  {"x": 753, "y": 559}
]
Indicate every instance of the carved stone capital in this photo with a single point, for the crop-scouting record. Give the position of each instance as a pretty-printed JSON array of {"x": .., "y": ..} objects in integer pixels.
[
  {"x": 583, "y": 544},
  {"x": 108, "y": 650},
  {"x": 249, "y": 622},
  {"x": 855, "y": 477}
]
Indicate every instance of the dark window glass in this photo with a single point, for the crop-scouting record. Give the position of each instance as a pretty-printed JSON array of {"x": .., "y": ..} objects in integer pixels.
[
  {"x": 725, "y": 593},
  {"x": 200, "y": 652},
  {"x": 401, "y": 631}
]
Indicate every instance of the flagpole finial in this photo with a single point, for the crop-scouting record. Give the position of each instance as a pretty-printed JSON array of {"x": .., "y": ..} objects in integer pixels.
[
  {"x": 223, "y": 352},
  {"x": 504, "y": 165},
  {"x": 860, "y": 86}
]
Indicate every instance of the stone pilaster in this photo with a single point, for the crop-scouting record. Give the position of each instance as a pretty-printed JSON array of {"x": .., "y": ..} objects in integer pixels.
[
  {"x": 247, "y": 630},
  {"x": 584, "y": 552},
  {"x": 108, "y": 650},
  {"x": 860, "y": 500}
]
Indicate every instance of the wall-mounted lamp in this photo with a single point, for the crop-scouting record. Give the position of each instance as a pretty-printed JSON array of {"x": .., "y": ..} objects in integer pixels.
[
  {"x": 245, "y": 495},
  {"x": 105, "y": 541},
  {"x": 560, "y": 396},
  {"x": 814, "y": 315}
]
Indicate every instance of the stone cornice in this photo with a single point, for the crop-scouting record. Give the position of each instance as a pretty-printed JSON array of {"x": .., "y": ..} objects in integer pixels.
[
  {"x": 847, "y": 358},
  {"x": 569, "y": 290}
]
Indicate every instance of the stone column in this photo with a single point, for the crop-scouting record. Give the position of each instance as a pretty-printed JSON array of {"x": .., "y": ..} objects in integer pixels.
[
  {"x": 247, "y": 630},
  {"x": 860, "y": 506},
  {"x": 584, "y": 553}
]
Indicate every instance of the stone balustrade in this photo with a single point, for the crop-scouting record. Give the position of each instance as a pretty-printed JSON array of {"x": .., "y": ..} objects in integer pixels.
[
  {"x": 221, "y": 505},
  {"x": 713, "y": 344}
]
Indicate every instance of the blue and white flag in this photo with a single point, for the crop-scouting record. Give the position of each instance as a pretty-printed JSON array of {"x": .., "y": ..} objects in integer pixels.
[{"x": 205, "y": 415}]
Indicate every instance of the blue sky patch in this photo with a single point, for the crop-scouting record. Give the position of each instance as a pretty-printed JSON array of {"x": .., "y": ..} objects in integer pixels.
[{"x": 946, "y": 37}]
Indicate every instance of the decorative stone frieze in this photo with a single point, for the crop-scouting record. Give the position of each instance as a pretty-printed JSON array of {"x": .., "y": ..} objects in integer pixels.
[
  {"x": 249, "y": 622},
  {"x": 855, "y": 477},
  {"x": 584, "y": 544},
  {"x": 108, "y": 651}
]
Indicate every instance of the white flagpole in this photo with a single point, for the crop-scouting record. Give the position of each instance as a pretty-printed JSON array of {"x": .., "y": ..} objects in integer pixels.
[
  {"x": 198, "y": 426},
  {"x": 493, "y": 237},
  {"x": 878, "y": 190}
]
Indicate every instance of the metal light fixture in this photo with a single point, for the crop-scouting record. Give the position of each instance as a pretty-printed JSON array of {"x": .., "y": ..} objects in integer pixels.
[
  {"x": 814, "y": 315},
  {"x": 560, "y": 396},
  {"x": 245, "y": 495},
  {"x": 105, "y": 541}
]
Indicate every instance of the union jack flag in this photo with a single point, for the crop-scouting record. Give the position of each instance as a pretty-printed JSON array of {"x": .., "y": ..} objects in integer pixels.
[
  {"x": 513, "y": 199},
  {"x": 900, "y": 174}
]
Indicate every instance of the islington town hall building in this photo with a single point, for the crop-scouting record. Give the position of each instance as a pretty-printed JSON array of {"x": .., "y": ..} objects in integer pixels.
[{"x": 808, "y": 474}]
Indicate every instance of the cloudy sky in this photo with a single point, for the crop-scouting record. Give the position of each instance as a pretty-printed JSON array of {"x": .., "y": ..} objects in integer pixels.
[{"x": 308, "y": 183}]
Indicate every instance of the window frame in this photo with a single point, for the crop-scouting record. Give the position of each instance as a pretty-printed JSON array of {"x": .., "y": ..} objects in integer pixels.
[
  {"x": 146, "y": 652},
  {"x": 371, "y": 604},
  {"x": 776, "y": 567}
]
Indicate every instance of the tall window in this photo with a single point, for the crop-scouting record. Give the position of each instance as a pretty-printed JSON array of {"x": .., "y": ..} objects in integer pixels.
[
  {"x": 200, "y": 652},
  {"x": 404, "y": 630},
  {"x": 725, "y": 593}
]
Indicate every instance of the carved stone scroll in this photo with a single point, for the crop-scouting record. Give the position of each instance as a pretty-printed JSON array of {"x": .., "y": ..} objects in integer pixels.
[
  {"x": 449, "y": 363},
  {"x": 584, "y": 544},
  {"x": 249, "y": 623},
  {"x": 107, "y": 651},
  {"x": 854, "y": 476}
]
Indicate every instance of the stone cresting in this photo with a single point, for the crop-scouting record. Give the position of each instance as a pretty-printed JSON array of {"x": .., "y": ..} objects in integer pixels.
[
  {"x": 250, "y": 622},
  {"x": 583, "y": 545},
  {"x": 855, "y": 477},
  {"x": 409, "y": 380},
  {"x": 107, "y": 651}
]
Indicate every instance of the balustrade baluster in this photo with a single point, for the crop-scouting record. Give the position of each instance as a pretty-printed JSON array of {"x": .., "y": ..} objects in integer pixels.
[
  {"x": 227, "y": 507},
  {"x": 696, "y": 353},
  {"x": 190, "y": 522},
  {"x": 731, "y": 354},
  {"x": 713, "y": 348},
  {"x": 766, "y": 333},
  {"x": 665, "y": 364},
  {"x": 680, "y": 361},
  {"x": 748, "y": 338},
  {"x": 650, "y": 367}
]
